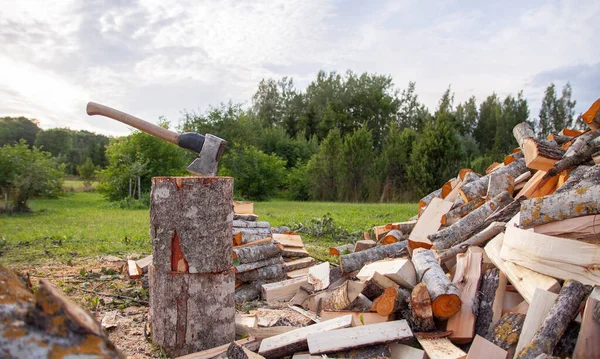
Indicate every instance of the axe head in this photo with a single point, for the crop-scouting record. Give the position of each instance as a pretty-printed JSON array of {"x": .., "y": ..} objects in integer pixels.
[{"x": 208, "y": 160}]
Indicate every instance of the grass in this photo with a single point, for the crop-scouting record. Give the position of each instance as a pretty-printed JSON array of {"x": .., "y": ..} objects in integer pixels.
[
  {"x": 77, "y": 185},
  {"x": 83, "y": 224}
]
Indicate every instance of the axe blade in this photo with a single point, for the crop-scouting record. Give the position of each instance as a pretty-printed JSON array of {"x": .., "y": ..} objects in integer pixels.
[{"x": 207, "y": 162}]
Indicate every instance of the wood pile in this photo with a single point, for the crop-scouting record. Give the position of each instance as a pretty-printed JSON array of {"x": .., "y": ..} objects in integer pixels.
[{"x": 503, "y": 264}]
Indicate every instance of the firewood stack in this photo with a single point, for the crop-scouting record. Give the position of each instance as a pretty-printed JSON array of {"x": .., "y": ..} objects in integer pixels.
[{"x": 504, "y": 264}]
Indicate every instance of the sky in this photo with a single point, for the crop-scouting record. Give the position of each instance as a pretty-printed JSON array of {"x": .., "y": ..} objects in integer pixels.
[{"x": 154, "y": 58}]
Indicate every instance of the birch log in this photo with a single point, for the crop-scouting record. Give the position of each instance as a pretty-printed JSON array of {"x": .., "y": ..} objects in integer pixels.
[
  {"x": 562, "y": 312},
  {"x": 460, "y": 230},
  {"x": 444, "y": 295},
  {"x": 191, "y": 223},
  {"x": 575, "y": 203},
  {"x": 473, "y": 190},
  {"x": 275, "y": 271},
  {"x": 478, "y": 239},
  {"x": 256, "y": 253},
  {"x": 425, "y": 200},
  {"x": 355, "y": 261},
  {"x": 258, "y": 264},
  {"x": 521, "y": 132},
  {"x": 459, "y": 212}
]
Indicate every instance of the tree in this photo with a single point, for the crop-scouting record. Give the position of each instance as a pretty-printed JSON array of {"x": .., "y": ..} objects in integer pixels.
[
  {"x": 14, "y": 129},
  {"x": 258, "y": 176},
  {"x": 411, "y": 113},
  {"x": 87, "y": 171},
  {"x": 325, "y": 168},
  {"x": 357, "y": 152},
  {"x": 490, "y": 112},
  {"x": 25, "y": 173},
  {"x": 467, "y": 116},
  {"x": 396, "y": 156},
  {"x": 57, "y": 141},
  {"x": 556, "y": 113}
]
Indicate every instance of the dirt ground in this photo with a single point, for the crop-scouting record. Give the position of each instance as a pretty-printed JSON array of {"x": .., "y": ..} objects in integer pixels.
[{"x": 102, "y": 286}]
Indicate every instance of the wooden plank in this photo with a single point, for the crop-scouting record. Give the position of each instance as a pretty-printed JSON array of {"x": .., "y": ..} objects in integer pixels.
[
  {"x": 440, "y": 348},
  {"x": 556, "y": 257},
  {"x": 588, "y": 342},
  {"x": 299, "y": 263},
  {"x": 399, "y": 270},
  {"x": 468, "y": 272},
  {"x": 243, "y": 207},
  {"x": 296, "y": 340},
  {"x": 538, "y": 310},
  {"x": 134, "y": 271},
  {"x": 511, "y": 300},
  {"x": 294, "y": 252},
  {"x": 575, "y": 228},
  {"x": 486, "y": 263},
  {"x": 429, "y": 222},
  {"x": 318, "y": 276},
  {"x": 288, "y": 240},
  {"x": 144, "y": 262},
  {"x": 302, "y": 272},
  {"x": 524, "y": 280},
  {"x": 282, "y": 291},
  {"x": 216, "y": 351},
  {"x": 358, "y": 318},
  {"x": 482, "y": 348},
  {"x": 402, "y": 351},
  {"x": 345, "y": 339}
]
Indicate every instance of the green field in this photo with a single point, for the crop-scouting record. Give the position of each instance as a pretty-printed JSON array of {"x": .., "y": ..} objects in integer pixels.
[{"x": 83, "y": 224}]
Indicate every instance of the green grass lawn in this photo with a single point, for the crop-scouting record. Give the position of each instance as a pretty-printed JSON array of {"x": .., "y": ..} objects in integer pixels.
[{"x": 83, "y": 224}]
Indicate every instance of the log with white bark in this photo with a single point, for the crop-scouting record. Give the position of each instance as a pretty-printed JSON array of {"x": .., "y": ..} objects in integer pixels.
[
  {"x": 296, "y": 340},
  {"x": 366, "y": 335},
  {"x": 421, "y": 312},
  {"x": 245, "y": 217},
  {"x": 541, "y": 154},
  {"x": 355, "y": 261},
  {"x": 466, "y": 278},
  {"x": 274, "y": 271},
  {"x": 560, "y": 139},
  {"x": 250, "y": 224},
  {"x": 256, "y": 253},
  {"x": 393, "y": 236},
  {"x": 399, "y": 270},
  {"x": 521, "y": 132},
  {"x": 392, "y": 300},
  {"x": 500, "y": 183},
  {"x": 247, "y": 292},
  {"x": 299, "y": 263},
  {"x": 249, "y": 235},
  {"x": 564, "y": 310},
  {"x": 581, "y": 142},
  {"x": 540, "y": 306},
  {"x": 588, "y": 343},
  {"x": 461, "y": 230},
  {"x": 185, "y": 316},
  {"x": 46, "y": 324},
  {"x": 479, "y": 239},
  {"x": 581, "y": 157},
  {"x": 429, "y": 222},
  {"x": 454, "y": 215},
  {"x": 553, "y": 256},
  {"x": 444, "y": 295},
  {"x": 582, "y": 176},
  {"x": 424, "y": 202},
  {"x": 341, "y": 297},
  {"x": 490, "y": 282},
  {"x": 524, "y": 280},
  {"x": 191, "y": 223},
  {"x": 506, "y": 331},
  {"x": 245, "y": 267},
  {"x": 294, "y": 252},
  {"x": 575, "y": 203},
  {"x": 476, "y": 189},
  {"x": 282, "y": 291}
]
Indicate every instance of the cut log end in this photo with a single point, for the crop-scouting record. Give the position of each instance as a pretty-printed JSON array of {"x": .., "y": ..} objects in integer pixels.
[
  {"x": 446, "y": 305},
  {"x": 387, "y": 302}
]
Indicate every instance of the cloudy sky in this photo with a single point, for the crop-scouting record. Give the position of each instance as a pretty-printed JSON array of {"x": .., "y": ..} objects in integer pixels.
[{"x": 159, "y": 57}]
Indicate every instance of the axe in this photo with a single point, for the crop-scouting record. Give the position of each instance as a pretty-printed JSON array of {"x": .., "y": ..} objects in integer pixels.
[{"x": 209, "y": 147}]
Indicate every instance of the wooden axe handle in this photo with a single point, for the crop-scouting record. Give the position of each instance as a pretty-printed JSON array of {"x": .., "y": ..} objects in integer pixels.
[{"x": 156, "y": 131}]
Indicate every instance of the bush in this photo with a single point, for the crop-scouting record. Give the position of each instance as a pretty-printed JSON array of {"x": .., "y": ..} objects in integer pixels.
[
  {"x": 258, "y": 176},
  {"x": 298, "y": 183}
]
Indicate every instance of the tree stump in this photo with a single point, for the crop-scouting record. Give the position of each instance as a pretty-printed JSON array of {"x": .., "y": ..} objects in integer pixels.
[{"x": 192, "y": 281}]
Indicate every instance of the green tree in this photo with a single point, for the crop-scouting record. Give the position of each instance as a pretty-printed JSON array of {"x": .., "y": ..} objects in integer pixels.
[
  {"x": 357, "y": 152},
  {"x": 14, "y": 129},
  {"x": 140, "y": 154},
  {"x": 556, "y": 113},
  {"x": 87, "y": 171},
  {"x": 396, "y": 159},
  {"x": 57, "y": 141},
  {"x": 258, "y": 176},
  {"x": 411, "y": 113},
  {"x": 26, "y": 173},
  {"x": 490, "y": 112},
  {"x": 325, "y": 169},
  {"x": 467, "y": 116}
]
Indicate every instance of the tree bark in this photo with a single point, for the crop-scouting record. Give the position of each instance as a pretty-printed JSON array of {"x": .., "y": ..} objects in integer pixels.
[
  {"x": 256, "y": 253},
  {"x": 185, "y": 316},
  {"x": 425, "y": 200},
  {"x": 457, "y": 213},
  {"x": 250, "y": 224},
  {"x": 570, "y": 204},
  {"x": 478, "y": 239},
  {"x": 355, "y": 261},
  {"x": 258, "y": 264},
  {"x": 392, "y": 300},
  {"x": 421, "y": 311},
  {"x": 236, "y": 351},
  {"x": 444, "y": 295},
  {"x": 513, "y": 157},
  {"x": 505, "y": 333},
  {"x": 393, "y": 236},
  {"x": 582, "y": 156},
  {"x": 562, "y": 312},
  {"x": 473, "y": 190},
  {"x": 500, "y": 183},
  {"x": 46, "y": 323},
  {"x": 581, "y": 142},
  {"x": 247, "y": 292},
  {"x": 541, "y": 155},
  {"x": 486, "y": 297},
  {"x": 338, "y": 298},
  {"x": 460, "y": 230},
  {"x": 521, "y": 132},
  {"x": 275, "y": 271},
  {"x": 579, "y": 177},
  {"x": 191, "y": 221}
]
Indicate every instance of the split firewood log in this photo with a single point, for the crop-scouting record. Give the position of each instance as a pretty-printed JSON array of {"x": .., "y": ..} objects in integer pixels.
[
  {"x": 500, "y": 183},
  {"x": 444, "y": 295},
  {"x": 579, "y": 177},
  {"x": 487, "y": 297},
  {"x": 421, "y": 311},
  {"x": 581, "y": 142},
  {"x": 570, "y": 204},
  {"x": 592, "y": 116},
  {"x": 505, "y": 333},
  {"x": 355, "y": 261},
  {"x": 521, "y": 132},
  {"x": 478, "y": 189},
  {"x": 460, "y": 230},
  {"x": 541, "y": 154},
  {"x": 392, "y": 300},
  {"x": 457, "y": 213},
  {"x": 425, "y": 200},
  {"x": 364, "y": 244},
  {"x": 582, "y": 156},
  {"x": 393, "y": 236},
  {"x": 46, "y": 323},
  {"x": 256, "y": 253},
  {"x": 564, "y": 310},
  {"x": 478, "y": 239}
]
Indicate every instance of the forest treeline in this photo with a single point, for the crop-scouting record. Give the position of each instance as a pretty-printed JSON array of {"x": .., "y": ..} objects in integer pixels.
[{"x": 346, "y": 137}]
